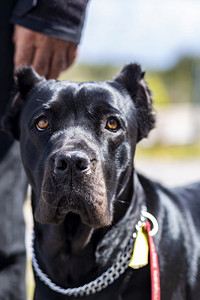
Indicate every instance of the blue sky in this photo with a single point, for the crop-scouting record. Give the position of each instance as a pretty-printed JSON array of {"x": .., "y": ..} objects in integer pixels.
[{"x": 154, "y": 33}]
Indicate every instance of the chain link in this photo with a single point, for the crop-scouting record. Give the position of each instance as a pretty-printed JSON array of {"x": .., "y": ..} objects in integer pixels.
[{"x": 101, "y": 282}]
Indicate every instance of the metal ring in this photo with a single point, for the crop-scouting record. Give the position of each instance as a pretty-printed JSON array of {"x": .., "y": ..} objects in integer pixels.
[{"x": 154, "y": 222}]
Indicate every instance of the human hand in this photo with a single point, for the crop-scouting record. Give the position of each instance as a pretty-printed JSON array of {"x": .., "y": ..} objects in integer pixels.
[{"x": 48, "y": 55}]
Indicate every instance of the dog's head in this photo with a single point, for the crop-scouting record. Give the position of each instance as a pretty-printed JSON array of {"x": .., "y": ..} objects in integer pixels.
[{"x": 78, "y": 141}]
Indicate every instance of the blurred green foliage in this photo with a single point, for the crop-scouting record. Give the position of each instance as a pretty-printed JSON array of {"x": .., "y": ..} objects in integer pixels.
[
  {"x": 81, "y": 72},
  {"x": 179, "y": 80},
  {"x": 170, "y": 86}
]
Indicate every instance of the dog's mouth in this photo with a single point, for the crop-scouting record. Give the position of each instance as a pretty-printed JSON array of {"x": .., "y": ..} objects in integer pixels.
[
  {"x": 67, "y": 208},
  {"x": 72, "y": 222},
  {"x": 91, "y": 211}
]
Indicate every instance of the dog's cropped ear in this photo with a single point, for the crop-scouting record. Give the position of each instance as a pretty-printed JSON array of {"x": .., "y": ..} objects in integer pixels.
[
  {"x": 132, "y": 79},
  {"x": 25, "y": 79}
]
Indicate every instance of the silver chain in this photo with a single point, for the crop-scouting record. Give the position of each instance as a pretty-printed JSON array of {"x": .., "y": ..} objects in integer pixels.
[{"x": 101, "y": 282}]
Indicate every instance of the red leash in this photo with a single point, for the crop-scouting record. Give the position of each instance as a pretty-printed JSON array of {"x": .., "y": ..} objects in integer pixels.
[
  {"x": 154, "y": 265},
  {"x": 143, "y": 251}
]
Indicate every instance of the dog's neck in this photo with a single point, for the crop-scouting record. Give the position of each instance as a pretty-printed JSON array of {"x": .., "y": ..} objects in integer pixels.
[
  {"x": 71, "y": 243},
  {"x": 54, "y": 246}
]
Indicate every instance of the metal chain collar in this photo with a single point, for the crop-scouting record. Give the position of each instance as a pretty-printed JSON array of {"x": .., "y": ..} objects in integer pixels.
[{"x": 101, "y": 282}]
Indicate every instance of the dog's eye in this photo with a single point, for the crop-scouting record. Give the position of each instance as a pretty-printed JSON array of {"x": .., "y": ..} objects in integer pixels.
[
  {"x": 112, "y": 124},
  {"x": 42, "y": 123}
]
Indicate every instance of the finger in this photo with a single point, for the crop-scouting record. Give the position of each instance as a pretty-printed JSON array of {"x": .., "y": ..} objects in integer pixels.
[
  {"x": 58, "y": 64},
  {"x": 42, "y": 61},
  {"x": 72, "y": 54},
  {"x": 24, "y": 49},
  {"x": 23, "y": 55}
]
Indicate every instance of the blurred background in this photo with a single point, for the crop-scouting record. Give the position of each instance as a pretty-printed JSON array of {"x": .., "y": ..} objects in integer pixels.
[{"x": 164, "y": 38}]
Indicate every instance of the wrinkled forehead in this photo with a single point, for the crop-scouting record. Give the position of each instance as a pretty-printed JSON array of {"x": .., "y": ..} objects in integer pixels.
[{"x": 101, "y": 97}]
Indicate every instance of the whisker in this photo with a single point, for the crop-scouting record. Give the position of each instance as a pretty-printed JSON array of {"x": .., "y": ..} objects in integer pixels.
[
  {"x": 122, "y": 201},
  {"x": 119, "y": 184},
  {"x": 47, "y": 192}
]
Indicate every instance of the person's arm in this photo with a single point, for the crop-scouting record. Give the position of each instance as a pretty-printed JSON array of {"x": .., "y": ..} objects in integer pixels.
[
  {"x": 62, "y": 19},
  {"x": 47, "y": 33}
]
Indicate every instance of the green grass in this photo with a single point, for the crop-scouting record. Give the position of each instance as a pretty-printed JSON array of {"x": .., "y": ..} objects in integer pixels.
[{"x": 172, "y": 152}]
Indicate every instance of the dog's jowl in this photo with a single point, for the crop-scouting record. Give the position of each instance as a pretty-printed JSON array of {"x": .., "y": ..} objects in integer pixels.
[{"x": 90, "y": 206}]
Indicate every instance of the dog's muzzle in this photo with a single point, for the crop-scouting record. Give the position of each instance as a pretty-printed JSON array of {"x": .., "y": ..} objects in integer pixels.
[{"x": 74, "y": 182}]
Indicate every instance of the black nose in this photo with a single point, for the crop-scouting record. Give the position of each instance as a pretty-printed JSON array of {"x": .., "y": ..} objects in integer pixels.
[{"x": 76, "y": 161}]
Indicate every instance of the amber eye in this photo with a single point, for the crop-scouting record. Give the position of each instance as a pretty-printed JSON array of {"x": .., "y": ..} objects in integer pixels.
[
  {"x": 112, "y": 124},
  {"x": 42, "y": 123}
]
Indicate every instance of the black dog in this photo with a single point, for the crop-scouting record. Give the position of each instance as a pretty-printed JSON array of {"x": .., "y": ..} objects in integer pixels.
[{"x": 77, "y": 143}]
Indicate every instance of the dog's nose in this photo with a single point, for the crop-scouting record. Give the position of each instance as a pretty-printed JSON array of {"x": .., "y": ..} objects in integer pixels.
[{"x": 76, "y": 161}]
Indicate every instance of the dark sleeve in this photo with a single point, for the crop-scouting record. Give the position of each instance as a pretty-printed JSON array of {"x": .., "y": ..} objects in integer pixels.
[{"x": 62, "y": 19}]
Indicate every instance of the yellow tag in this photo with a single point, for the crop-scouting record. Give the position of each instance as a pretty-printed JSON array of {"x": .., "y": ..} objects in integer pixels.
[{"x": 140, "y": 251}]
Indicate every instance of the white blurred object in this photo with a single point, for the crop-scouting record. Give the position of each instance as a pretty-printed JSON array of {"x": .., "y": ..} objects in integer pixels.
[{"x": 178, "y": 124}]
